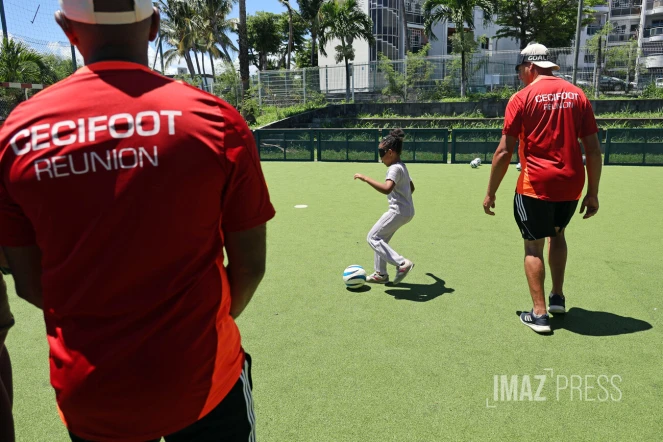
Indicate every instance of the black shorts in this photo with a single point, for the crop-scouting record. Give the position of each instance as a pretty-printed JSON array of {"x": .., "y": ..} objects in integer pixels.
[
  {"x": 233, "y": 420},
  {"x": 538, "y": 219}
]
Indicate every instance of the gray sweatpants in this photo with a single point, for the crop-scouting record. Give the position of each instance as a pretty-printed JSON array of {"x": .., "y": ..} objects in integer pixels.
[{"x": 379, "y": 237}]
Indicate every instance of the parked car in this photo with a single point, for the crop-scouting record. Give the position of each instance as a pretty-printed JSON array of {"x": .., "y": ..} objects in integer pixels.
[
  {"x": 611, "y": 84},
  {"x": 569, "y": 78},
  {"x": 659, "y": 82}
]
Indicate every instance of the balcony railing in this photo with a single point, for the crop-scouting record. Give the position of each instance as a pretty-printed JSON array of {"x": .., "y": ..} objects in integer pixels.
[
  {"x": 653, "y": 32},
  {"x": 591, "y": 30},
  {"x": 655, "y": 4},
  {"x": 621, "y": 12},
  {"x": 616, "y": 38}
]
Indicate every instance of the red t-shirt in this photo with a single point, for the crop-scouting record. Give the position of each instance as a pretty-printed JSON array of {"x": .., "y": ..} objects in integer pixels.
[
  {"x": 126, "y": 181},
  {"x": 548, "y": 117}
]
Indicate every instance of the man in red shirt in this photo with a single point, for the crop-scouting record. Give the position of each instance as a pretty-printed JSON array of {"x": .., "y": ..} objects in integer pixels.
[
  {"x": 6, "y": 386},
  {"x": 547, "y": 117},
  {"x": 119, "y": 190}
]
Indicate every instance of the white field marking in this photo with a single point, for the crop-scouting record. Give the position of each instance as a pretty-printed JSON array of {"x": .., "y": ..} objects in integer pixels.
[{"x": 301, "y": 206}]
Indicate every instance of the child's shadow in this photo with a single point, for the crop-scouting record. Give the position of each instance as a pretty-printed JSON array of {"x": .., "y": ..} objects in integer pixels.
[{"x": 419, "y": 292}]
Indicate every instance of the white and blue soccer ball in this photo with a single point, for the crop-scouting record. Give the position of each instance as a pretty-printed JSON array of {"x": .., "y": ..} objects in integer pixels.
[
  {"x": 518, "y": 167},
  {"x": 474, "y": 163},
  {"x": 354, "y": 276}
]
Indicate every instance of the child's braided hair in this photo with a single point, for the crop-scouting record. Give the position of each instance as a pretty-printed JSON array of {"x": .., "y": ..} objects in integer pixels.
[{"x": 394, "y": 141}]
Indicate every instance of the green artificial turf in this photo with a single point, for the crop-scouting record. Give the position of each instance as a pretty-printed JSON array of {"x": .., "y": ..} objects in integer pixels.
[{"x": 416, "y": 362}]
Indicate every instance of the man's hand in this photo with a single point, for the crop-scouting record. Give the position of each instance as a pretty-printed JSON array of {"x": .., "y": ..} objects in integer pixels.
[
  {"x": 360, "y": 177},
  {"x": 489, "y": 203},
  {"x": 592, "y": 205}
]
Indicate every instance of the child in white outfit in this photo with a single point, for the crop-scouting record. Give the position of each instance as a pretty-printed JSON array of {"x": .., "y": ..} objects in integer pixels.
[{"x": 399, "y": 188}]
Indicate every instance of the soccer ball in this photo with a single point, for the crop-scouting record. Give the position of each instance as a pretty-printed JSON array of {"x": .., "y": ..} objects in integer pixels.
[
  {"x": 474, "y": 163},
  {"x": 354, "y": 277},
  {"x": 518, "y": 167}
]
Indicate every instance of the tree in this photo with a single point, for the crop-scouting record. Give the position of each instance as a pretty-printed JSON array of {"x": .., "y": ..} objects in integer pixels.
[
  {"x": 624, "y": 58},
  {"x": 595, "y": 46},
  {"x": 309, "y": 10},
  {"x": 178, "y": 27},
  {"x": 229, "y": 85},
  {"x": 417, "y": 73},
  {"x": 344, "y": 20},
  {"x": 460, "y": 13},
  {"x": 61, "y": 67},
  {"x": 264, "y": 38},
  {"x": 243, "y": 48},
  {"x": 286, "y": 3},
  {"x": 294, "y": 29},
  {"x": 549, "y": 22},
  {"x": 215, "y": 25},
  {"x": 303, "y": 55},
  {"x": 21, "y": 64}
]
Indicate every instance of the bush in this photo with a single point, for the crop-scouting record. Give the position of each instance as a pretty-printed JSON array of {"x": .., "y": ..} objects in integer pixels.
[{"x": 651, "y": 91}]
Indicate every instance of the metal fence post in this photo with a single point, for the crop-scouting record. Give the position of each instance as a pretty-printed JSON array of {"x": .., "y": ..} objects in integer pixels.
[
  {"x": 73, "y": 57},
  {"x": 327, "y": 80},
  {"x": 352, "y": 75},
  {"x": 259, "y": 91},
  {"x": 5, "y": 35},
  {"x": 405, "y": 79},
  {"x": 304, "y": 77}
]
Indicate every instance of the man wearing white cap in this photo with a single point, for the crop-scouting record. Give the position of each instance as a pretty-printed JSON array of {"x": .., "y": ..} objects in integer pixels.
[
  {"x": 120, "y": 189},
  {"x": 547, "y": 118}
]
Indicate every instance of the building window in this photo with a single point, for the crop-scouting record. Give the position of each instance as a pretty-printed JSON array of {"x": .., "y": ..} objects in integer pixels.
[
  {"x": 589, "y": 58},
  {"x": 485, "y": 44},
  {"x": 415, "y": 38},
  {"x": 450, "y": 33}
]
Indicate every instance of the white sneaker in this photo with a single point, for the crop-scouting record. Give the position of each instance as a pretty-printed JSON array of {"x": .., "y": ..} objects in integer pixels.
[
  {"x": 402, "y": 271},
  {"x": 377, "y": 278}
]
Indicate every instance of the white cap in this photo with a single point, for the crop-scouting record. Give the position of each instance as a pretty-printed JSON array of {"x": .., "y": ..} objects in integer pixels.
[
  {"x": 537, "y": 54},
  {"x": 84, "y": 11}
]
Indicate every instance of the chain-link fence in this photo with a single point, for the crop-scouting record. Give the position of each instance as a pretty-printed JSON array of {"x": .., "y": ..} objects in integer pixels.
[
  {"x": 35, "y": 53},
  {"x": 623, "y": 68}
]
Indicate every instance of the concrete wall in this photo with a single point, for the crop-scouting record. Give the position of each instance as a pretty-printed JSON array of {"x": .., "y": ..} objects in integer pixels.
[{"x": 488, "y": 108}]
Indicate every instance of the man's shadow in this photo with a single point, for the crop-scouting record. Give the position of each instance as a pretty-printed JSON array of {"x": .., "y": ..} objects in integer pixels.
[
  {"x": 419, "y": 292},
  {"x": 589, "y": 323}
]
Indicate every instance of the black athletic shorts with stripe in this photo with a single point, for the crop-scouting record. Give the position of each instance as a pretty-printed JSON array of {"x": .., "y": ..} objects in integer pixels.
[
  {"x": 538, "y": 219},
  {"x": 233, "y": 420}
]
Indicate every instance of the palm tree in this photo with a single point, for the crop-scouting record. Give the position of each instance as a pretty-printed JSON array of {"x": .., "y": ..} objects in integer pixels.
[
  {"x": 286, "y": 3},
  {"x": 345, "y": 21},
  {"x": 310, "y": 12},
  {"x": 21, "y": 64},
  {"x": 215, "y": 25},
  {"x": 243, "y": 47},
  {"x": 179, "y": 29},
  {"x": 460, "y": 13}
]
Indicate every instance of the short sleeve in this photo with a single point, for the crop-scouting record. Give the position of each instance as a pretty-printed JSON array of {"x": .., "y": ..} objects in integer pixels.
[
  {"x": 588, "y": 124},
  {"x": 394, "y": 174},
  {"x": 15, "y": 228},
  {"x": 246, "y": 202},
  {"x": 513, "y": 117}
]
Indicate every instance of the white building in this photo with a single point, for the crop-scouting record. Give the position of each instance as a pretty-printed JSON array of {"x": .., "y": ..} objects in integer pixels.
[
  {"x": 629, "y": 17},
  {"x": 392, "y": 40}
]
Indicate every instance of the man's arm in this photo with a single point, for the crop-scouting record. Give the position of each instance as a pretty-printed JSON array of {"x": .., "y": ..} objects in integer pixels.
[
  {"x": 247, "y": 252},
  {"x": 25, "y": 263},
  {"x": 594, "y": 165},
  {"x": 501, "y": 161}
]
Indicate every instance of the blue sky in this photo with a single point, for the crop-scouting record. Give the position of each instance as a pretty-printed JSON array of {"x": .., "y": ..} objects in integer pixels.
[{"x": 45, "y": 35}]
